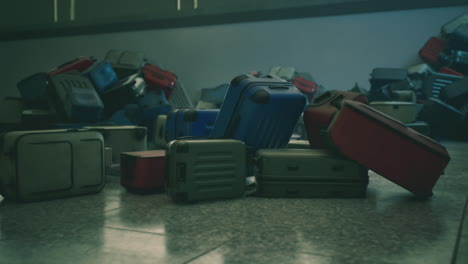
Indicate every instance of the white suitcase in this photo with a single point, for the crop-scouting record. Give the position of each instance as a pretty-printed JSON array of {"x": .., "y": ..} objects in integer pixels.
[
  {"x": 450, "y": 26},
  {"x": 160, "y": 132},
  {"x": 47, "y": 164},
  {"x": 405, "y": 112},
  {"x": 122, "y": 139},
  {"x": 286, "y": 73}
]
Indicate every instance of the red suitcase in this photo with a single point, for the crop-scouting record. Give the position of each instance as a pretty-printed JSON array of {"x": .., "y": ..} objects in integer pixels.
[
  {"x": 157, "y": 78},
  {"x": 142, "y": 171},
  {"x": 307, "y": 87},
  {"x": 386, "y": 146},
  {"x": 431, "y": 51},
  {"x": 80, "y": 64},
  {"x": 319, "y": 115},
  {"x": 447, "y": 70}
]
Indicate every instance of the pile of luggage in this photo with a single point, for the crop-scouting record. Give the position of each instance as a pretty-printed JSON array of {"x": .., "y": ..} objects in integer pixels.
[
  {"x": 434, "y": 93},
  {"x": 238, "y": 132}
]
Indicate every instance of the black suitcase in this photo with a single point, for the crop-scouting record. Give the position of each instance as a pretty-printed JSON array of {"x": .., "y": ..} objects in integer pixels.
[
  {"x": 459, "y": 38},
  {"x": 33, "y": 90},
  {"x": 383, "y": 76},
  {"x": 456, "y": 94},
  {"x": 444, "y": 120},
  {"x": 435, "y": 83},
  {"x": 126, "y": 91}
]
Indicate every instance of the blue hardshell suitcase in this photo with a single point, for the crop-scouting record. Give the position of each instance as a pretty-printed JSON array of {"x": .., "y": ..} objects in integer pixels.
[
  {"x": 186, "y": 122},
  {"x": 261, "y": 112},
  {"x": 102, "y": 76}
]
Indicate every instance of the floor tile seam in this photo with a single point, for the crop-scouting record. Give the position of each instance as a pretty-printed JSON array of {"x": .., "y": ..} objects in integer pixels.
[
  {"x": 135, "y": 231},
  {"x": 210, "y": 250},
  {"x": 459, "y": 233}
]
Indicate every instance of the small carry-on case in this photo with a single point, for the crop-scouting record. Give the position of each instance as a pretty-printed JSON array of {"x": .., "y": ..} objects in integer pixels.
[
  {"x": 435, "y": 83},
  {"x": 405, "y": 112},
  {"x": 383, "y": 76},
  {"x": 190, "y": 122},
  {"x": 444, "y": 120},
  {"x": 125, "y": 92},
  {"x": 33, "y": 90},
  {"x": 450, "y": 26},
  {"x": 387, "y": 147},
  {"x": 157, "y": 78},
  {"x": 160, "y": 132},
  {"x": 143, "y": 171},
  {"x": 205, "y": 169},
  {"x": 261, "y": 112},
  {"x": 102, "y": 75},
  {"x": 318, "y": 116},
  {"x": 80, "y": 64},
  {"x": 284, "y": 72},
  {"x": 122, "y": 138},
  {"x": 48, "y": 164},
  {"x": 125, "y": 63},
  {"x": 432, "y": 50},
  {"x": 308, "y": 173},
  {"x": 75, "y": 99}
]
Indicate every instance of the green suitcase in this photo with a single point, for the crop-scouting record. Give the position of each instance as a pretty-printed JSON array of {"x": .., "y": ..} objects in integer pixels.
[
  {"x": 205, "y": 169},
  {"x": 50, "y": 164},
  {"x": 308, "y": 173}
]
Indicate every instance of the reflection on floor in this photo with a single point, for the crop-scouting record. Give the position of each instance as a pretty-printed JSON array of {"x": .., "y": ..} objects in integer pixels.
[{"x": 389, "y": 226}]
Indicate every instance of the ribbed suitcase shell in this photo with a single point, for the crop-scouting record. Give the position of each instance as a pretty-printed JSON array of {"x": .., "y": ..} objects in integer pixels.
[
  {"x": 435, "y": 83},
  {"x": 205, "y": 169},
  {"x": 450, "y": 26},
  {"x": 79, "y": 64},
  {"x": 190, "y": 122},
  {"x": 319, "y": 115},
  {"x": 432, "y": 50},
  {"x": 143, "y": 171},
  {"x": 180, "y": 97},
  {"x": 447, "y": 70},
  {"x": 48, "y": 164},
  {"x": 388, "y": 147},
  {"x": 261, "y": 112},
  {"x": 405, "y": 112},
  {"x": 75, "y": 98},
  {"x": 308, "y": 173},
  {"x": 122, "y": 138}
]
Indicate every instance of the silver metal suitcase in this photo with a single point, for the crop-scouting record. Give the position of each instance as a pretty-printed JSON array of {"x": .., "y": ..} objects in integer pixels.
[
  {"x": 47, "y": 164},
  {"x": 122, "y": 139},
  {"x": 205, "y": 169}
]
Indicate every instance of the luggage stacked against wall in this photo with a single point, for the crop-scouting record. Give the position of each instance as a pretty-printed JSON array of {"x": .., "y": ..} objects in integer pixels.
[{"x": 435, "y": 93}]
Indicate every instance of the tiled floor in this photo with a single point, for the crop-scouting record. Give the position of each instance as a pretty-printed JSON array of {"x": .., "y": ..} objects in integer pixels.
[{"x": 389, "y": 226}]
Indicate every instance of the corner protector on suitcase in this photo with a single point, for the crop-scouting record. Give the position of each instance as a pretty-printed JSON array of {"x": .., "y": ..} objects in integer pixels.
[{"x": 261, "y": 97}]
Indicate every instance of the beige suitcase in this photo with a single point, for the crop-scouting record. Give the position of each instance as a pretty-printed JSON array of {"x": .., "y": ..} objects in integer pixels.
[
  {"x": 299, "y": 144},
  {"x": 122, "y": 139},
  {"x": 405, "y": 112},
  {"x": 160, "y": 132},
  {"x": 47, "y": 164}
]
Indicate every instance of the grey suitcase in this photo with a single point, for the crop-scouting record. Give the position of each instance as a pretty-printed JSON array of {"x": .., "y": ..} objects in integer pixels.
[
  {"x": 122, "y": 139},
  {"x": 47, "y": 164},
  {"x": 308, "y": 173},
  {"x": 405, "y": 112},
  {"x": 180, "y": 97},
  {"x": 125, "y": 63},
  {"x": 450, "y": 26},
  {"x": 205, "y": 169}
]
